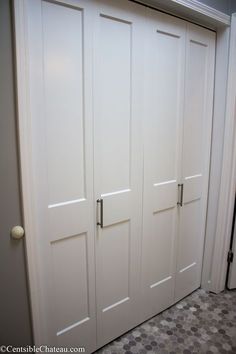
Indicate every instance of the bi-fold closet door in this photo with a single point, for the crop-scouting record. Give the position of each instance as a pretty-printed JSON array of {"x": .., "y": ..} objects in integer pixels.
[
  {"x": 164, "y": 98},
  {"x": 118, "y": 110},
  {"x": 85, "y": 72},
  {"x": 196, "y": 146},
  {"x": 60, "y": 52},
  {"x": 120, "y": 113},
  {"x": 179, "y": 80}
]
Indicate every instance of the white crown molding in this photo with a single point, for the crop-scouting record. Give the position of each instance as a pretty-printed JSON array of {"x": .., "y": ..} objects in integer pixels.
[
  {"x": 203, "y": 9},
  {"x": 191, "y": 9}
]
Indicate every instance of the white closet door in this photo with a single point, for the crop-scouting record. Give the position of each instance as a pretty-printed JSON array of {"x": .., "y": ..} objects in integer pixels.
[
  {"x": 60, "y": 53},
  {"x": 164, "y": 89},
  {"x": 118, "y": 164},
  {"x": 199, "y": 80}
]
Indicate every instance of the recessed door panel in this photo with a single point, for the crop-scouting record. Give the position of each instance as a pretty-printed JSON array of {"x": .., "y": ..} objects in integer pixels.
[
  {"x": 60, "y": 37},
  {"x": 196, "y": 156},
  {"x": 64, "y": 95},
  {"x": 115, "y": 258},
  {"x": 165, "y": 83},
  {"x": 164, "y": 80},
  {"x": 196, "y": 81},
  {"x": 189, "y": 235},
  {"x": 71, "y": 312},
  {"x": 118, "y": 164},
  {"x": 115, "y": 103},
  {"x": 161, "y": 250}
]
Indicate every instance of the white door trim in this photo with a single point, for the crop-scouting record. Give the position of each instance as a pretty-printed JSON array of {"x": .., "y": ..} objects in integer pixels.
[
  {"x": 24, "y": 133},
  {"x": 221, "y": 73},
  {"x": 228, "y": 177},
  {"x": 26, "y": 167}
]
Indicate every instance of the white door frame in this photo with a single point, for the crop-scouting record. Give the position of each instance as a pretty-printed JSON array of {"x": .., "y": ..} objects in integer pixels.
[
  {"x": 228, "y": 177},
  {"x": 214, "y": 265}
]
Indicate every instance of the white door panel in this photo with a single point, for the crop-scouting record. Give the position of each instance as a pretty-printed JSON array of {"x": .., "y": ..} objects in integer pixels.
[
  {"x": 63, "y": 90},
  {"x": 164, "y": 80},
  {"x": 199, "y": 80},
  {"x": 61, "y": 95},
  {"x": 164, "y": 196},
  {"x": 116, "y": 207},
  {"x": 118, "y": 164},
  {"x": 192, "y": 188}
]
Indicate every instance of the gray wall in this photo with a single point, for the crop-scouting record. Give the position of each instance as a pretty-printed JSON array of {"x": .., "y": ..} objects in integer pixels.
[
  {"x": 15, "y": 327},
  {"x": 221, "y": 5},
  {"x": 226, "y": 6},
  {"x": 233, "y": 6}
]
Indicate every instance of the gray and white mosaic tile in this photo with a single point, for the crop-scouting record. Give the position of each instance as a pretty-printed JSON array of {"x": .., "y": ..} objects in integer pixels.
[{"x": 202, "y": 323}]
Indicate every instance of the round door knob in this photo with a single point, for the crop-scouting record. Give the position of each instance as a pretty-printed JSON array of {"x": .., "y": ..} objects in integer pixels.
[{"x": 17, "y": 232}]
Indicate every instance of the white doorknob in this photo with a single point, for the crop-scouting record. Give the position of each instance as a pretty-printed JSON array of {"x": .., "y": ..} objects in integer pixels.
[{"x": 17, "y": 232}]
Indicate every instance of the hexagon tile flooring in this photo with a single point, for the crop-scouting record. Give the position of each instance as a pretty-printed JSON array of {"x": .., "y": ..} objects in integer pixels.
[{"x": 201, "y": 323}]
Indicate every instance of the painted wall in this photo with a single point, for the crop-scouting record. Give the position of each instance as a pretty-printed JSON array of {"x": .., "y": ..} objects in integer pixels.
[
  {"x": 226, "y": 6},
  {"x": 221, "y": 5},
  {"x": 14, "y": 303},
  {"x": 233, "y": 6}
]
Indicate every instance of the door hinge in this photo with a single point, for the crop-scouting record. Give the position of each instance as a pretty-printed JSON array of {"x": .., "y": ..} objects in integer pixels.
[{"x": 230, "y": 257}]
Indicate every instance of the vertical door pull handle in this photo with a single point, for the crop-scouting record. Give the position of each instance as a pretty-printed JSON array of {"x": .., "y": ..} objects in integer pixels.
[
  {"x": 100, "y": 223},
  {"x": 181, "y": 186}
]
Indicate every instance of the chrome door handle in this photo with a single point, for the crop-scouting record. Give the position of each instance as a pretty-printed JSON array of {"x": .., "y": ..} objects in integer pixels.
[
  {"x": 100, "y": 223},
  {"x": 181, "y": 186}
]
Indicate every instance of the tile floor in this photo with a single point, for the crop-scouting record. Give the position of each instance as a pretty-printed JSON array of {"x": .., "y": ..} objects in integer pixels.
[{"x": 201, "y": 323}]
